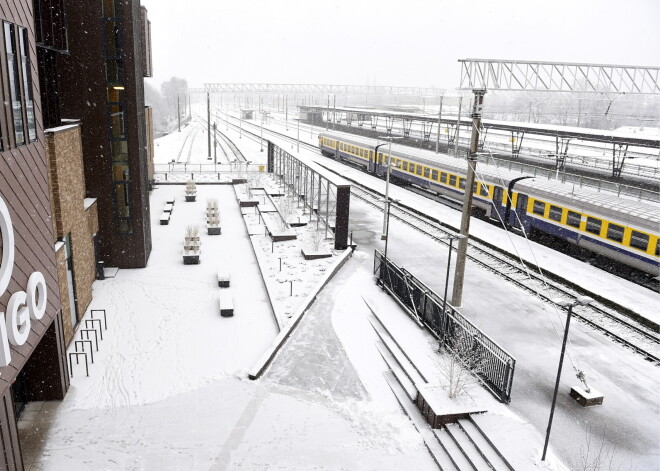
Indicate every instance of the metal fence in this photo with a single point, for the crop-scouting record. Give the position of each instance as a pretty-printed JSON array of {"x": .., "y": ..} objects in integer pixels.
[{"x": 493, "y": 365}]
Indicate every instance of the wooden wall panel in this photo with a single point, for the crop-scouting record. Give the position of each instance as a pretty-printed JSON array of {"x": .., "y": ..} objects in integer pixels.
[{"x": 24, "y": 188}]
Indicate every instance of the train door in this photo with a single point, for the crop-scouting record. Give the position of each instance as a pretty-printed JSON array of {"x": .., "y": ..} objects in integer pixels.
[
  {"x": 518, "y": 217},
  {"x": 498, "y": 194}
]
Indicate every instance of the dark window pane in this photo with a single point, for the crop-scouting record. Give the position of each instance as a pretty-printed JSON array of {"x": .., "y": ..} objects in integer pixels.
[
  {"x": 419, "y": 170},
  {"x": 615, "y": 232},
  {"x": 14, "y": 84},
  {"x": 111, "y": 8},
  {"x": 573, "y": 219},
  {"x": 117, "y": 129},
  {"x": 594, "y": 225},
  {"x": 484, "y": 190},
  {"x": 639, "y": 240},
  {"x": 405, "y": 166},
  {"x": 461, "y": 183},
  {"x": 27, "y": 85},
  {"x": 427, "y": 172},
  {"x": 434, "y": 174},
  {"x": 122, "y": 199},
  {"x": 539, "y": 208},
  {"x": 555, "y": 213},
  {"x": 452, "y": 180},
  {"x": 443, "y": 177}
]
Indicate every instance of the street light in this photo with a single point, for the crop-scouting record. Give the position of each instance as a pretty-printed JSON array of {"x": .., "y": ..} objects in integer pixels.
[
  {"x": 387, "y": 187},
  {"x": 298, "y": 142},
  {"x": 583, "y": 301},
  {"x": 451, "y": 238},
  {"x": 261, "y": 139}
]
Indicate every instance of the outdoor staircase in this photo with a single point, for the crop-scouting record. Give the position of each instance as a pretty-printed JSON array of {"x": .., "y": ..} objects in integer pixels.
[{"x": 460, "y": 446}]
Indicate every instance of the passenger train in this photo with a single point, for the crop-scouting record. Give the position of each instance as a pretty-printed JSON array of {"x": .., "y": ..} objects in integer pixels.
[{"x": 621, "y": 229}]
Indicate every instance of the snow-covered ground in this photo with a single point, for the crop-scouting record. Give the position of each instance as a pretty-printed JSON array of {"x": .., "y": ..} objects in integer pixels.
[{"x": 168, "y": 389}]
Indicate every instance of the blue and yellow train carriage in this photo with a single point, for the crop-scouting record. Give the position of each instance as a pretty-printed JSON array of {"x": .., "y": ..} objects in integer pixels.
[{"x": 624, "y": 230}]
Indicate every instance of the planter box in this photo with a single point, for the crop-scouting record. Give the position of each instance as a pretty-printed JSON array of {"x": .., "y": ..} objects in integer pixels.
[
  {"x": 226, "y": 303},
  {"x": 213, "y": 230},
  {"x": 191, "y": 259},
  {"x": 311, "y": 254},
  {"x": 248, "y": 203},
  {"x": 190, "y": 198},
  {"x": 164, "y": 219},
  {"x": 586, "y": 399}
]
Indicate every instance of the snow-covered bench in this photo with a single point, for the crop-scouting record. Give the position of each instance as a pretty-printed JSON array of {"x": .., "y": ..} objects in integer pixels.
[
  {"x": 223, "y": 278},
  {"x": 226, "y": 303},
  {"x": 165, "y": 218},
  {"x": 168, "y": 208},
  {"x": 170, "y": 200}
]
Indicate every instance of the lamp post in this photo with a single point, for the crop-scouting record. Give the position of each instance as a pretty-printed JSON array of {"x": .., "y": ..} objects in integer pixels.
[
  {"x": 215, "y": 143},
  {"x": 261, "y": 138},
  {"x": 387, "y": 189},
  {"x": 451, "y": 238},
  {"x": 583, "y": 301}
]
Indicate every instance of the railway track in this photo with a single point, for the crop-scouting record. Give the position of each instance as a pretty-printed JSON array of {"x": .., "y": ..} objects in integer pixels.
[
  {"x": 228, "y": 142},
  {"x": 603, "y": 316},
  {"x": 190, "y": 140}
]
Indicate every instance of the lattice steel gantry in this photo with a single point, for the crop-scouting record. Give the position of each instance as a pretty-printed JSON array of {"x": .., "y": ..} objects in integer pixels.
[{"x": 495, "y": 74}]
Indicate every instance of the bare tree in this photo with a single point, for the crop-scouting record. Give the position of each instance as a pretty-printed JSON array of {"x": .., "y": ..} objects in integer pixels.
[
  {"x": 597, "y": 453},
  {"x": 286, "y": 206},
  {"x": 314, "y": 237},
  {"x": 460, "y": 363}
]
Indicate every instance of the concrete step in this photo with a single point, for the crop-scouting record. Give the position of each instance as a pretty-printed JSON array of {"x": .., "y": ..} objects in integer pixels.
[
  {"x": 492, "y": 454},
  {"x": 399, "y": 355},
  {"x": 400, "y": 375},
  {"x": 454, "y": 452},
  {"x": 439, "y": 456},
  {"x": 467, "y": 446}
]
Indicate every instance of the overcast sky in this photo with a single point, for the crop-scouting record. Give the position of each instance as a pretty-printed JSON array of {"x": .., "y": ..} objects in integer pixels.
[{"x": 388, "y": 42}]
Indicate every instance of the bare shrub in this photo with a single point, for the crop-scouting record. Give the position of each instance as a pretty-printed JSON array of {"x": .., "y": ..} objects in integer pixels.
[{"x": 459, "y": 364}]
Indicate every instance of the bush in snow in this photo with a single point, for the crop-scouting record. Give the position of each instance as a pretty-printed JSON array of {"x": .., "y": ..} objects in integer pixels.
[{"x": 460, "y": 364}]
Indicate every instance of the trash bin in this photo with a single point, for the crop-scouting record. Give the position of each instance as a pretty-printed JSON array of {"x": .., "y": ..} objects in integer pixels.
[{"x": 262, "y": 168}]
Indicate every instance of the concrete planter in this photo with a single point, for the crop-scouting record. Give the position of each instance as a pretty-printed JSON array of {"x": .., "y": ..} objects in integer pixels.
[
  {"x": 191, "y": 198},
  {"x": 311, "y": 254},
  {"x": 191, "y": 258}
]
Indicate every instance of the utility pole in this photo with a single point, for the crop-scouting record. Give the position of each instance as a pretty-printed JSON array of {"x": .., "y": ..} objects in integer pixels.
[
  {"x": 459, "y": 273},
  {"x": 215, "y": 143},
  {"x": 458, "y": 126},
  {"x": 208, "y": 119},
  {"x": 334, "y": 111},
  {"x": 178, "y": 109},
  {"x": 437, "y": 137}
]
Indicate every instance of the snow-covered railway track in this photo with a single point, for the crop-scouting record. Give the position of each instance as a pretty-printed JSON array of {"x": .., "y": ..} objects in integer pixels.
[
  {"x": 187, "y": 142},
  {"x": 608, "y": 319}
]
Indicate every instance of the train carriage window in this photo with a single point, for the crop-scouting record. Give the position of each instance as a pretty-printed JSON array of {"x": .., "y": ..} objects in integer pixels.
[
  {"x": 380, "y": 157},
  {"x": 573, "y": 219},
  {"x": 539, "y": 208},
  {"x": 443, "y": 177},
  {"x": 371, "y": 155},
  {"x": 615, "y": 232},
  {"x": 484, "y": 190},
  {"x": 405, "y": 166},
  {"x": 555, "y": 213},
  {"x": 594, "y": 225},
  {"x": 474, "y": 187},
  {"x": 639, "y": 240},
  {"x": 461, "y": 183},
  {"x": 452, "y": 180},
  {"x": 427, "y": 172},
  {"x": 419, "y": 170},
  {"x": 412, "y": 168},
  {"x": 434, "y": 175}
]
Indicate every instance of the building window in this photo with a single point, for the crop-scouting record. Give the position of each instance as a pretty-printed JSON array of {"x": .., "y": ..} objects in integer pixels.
[
  {"x": 555, "y": 213},
  {"x": 615, "y": 232},
  {"x": 639, "y": 240},
  {"x": 27, "y": 85},
  {"x": 594, "y": 225},
  {"x": 15, "y": 98},
  {"x": 539, "y": 208},
  {"x": 574, "y": 219},
  {"x": 110, "y": 9}
]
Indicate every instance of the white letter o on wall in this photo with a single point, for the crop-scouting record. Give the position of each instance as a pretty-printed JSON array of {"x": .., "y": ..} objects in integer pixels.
[
  {"x": 7, "y": 266},
  {"x": 18, "y": 319},
  {"x": 36, "y": 295}
]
